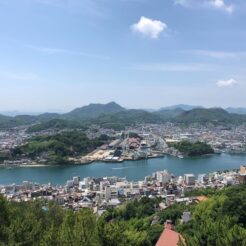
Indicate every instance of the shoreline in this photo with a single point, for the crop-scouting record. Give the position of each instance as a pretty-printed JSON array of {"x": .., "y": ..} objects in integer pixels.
[
  {"x": 9, "y": 166},
  {"x": 24, "y": 165}
]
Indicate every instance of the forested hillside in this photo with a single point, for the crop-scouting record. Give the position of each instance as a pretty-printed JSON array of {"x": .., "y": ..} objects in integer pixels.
[
  {"x": 57, "y": 148},
  {"x": 112, "y": 115},
  {"x": 193, "y": 149},
  {"x": 218, "y": 221}
]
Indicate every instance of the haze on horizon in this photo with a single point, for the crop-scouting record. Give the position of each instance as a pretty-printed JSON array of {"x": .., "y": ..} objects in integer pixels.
[{"x": 57, "y": 55}]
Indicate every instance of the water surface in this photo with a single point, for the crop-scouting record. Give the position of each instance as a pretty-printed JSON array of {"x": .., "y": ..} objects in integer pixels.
[{"x": 132, "y": 170}]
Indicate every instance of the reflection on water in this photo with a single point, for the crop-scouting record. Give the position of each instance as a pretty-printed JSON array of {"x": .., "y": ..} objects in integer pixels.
[{"x": 121, "y": 168}]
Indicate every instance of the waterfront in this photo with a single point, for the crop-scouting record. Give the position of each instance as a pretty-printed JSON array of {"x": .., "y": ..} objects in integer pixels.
[{"x": 132, "y": 170}]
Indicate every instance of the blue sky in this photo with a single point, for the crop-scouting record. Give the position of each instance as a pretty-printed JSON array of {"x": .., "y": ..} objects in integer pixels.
[{"x": 61, "y": 54}]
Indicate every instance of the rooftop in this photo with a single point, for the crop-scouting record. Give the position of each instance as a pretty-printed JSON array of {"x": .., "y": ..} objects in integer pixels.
[{"x": 169, "y": 238}]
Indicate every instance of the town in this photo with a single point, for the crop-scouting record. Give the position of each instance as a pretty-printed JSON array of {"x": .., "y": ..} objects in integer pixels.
[
  {"x": 134, "y": 143},
  {"x": 99, "y": 194},
  {"x": 139, "y": 142}
]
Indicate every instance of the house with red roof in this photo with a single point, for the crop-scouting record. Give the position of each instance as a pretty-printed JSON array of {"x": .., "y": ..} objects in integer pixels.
[{"x": 169, "y": 237}]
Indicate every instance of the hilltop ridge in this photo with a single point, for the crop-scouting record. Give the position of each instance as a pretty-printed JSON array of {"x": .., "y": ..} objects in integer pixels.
[{"x": 113, "y": 115}]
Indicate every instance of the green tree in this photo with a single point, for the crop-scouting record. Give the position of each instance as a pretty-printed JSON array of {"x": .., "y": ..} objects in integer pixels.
[
  {"x": 79, "y": 229},
  {"x": 4, "y": 219}
]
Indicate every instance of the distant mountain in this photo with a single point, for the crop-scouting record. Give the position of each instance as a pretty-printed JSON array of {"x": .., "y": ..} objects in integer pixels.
[
  {"x": 48, "y": 116},
  {"x": 148, "y": 109},
  {"x": 85, "y": 113},
  {"x": 125, "y": 118},
  {"x": 198, "y": 115},
  {"x": 4, "y": 118},
  {"x": 57, "y": 124},
  {"x": 213, "y": 115},
  {"x": 9, "y": 122},
  {"x": 167, "y": 114},
  {"x": 93, "y": 111},
  {"x": 16, "y": 112},
  {"x": 236, "y": 110},
  {"x": 112, "y": 115},
  {"x": 180, "y": 106},
  {"x": 10, "y": 113}
]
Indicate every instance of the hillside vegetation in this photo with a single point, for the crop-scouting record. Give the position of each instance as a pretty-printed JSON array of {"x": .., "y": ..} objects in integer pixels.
[
  {"x": 193, "y": 149},
  {"x": 56, "y": 124},
  {"x": 212, "y": 115},
  {"x": 57, "y": 148},
  {"x": 112, "y": 115},
  {"x": 218, "y": 221},
  {"x": 20, "y": 120},
  {"x": 93, "y": 111}
]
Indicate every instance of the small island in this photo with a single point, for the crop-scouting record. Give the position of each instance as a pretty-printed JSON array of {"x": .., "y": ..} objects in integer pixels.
[{"x": 189, "y": 149}]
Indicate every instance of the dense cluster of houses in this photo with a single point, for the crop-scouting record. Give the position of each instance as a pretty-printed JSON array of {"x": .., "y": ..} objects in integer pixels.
[{"x": 102, "y": 193}]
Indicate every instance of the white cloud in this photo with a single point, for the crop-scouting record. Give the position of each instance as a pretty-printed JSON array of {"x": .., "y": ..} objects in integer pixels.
[
  {"x": 214, "y": 4},
  {"x": 226, "y": 83},
  {"x": 149, "y": 28},
  {"x": 220, "y": 4},
  {"x": 173, "y": 67}
]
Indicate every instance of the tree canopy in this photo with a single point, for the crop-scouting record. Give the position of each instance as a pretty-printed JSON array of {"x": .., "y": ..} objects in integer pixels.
[
  {"x": 193, "y": 149},
  {"x": 56, "y": 148},
  {"x": 218, "y": 221}
]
